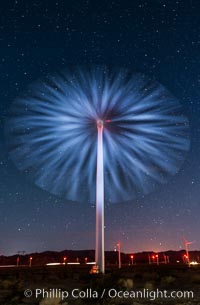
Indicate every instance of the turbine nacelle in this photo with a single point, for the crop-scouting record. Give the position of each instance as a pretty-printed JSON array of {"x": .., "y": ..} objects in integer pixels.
[{"x": 101, "y": 123}]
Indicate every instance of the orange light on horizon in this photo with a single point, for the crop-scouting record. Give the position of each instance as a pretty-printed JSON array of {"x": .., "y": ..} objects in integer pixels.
[
  {"x": 30, "y": 261},
  {"x": 131, "y": 257}
]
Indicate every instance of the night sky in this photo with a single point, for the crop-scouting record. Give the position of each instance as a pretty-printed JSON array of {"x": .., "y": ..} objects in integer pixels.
[{"x": 158, "y": 38}]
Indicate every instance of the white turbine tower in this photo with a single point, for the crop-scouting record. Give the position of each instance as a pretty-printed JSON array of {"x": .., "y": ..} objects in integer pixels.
[{"x": 99, "y": 252}]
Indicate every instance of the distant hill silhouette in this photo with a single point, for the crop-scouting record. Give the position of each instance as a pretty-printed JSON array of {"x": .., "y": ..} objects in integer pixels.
[{"x": 111, "y": 257}]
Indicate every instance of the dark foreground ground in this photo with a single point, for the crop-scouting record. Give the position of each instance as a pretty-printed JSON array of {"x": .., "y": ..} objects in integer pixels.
[{"x": 74, "y": 285}]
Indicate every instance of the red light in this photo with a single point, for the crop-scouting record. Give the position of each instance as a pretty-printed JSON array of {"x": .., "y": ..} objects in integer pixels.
[
  {"x": 153, "y": 256},
  {"x": 31, "y": 258},
  {"x": 157, "y": 255},
  {"x": 131, "y": 256},
  {"x": 107, "y": 121}
]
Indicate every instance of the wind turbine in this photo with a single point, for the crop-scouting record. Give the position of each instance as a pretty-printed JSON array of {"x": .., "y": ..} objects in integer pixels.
[
  {"x": 57, "y": 134},
  {"x": 187, "y": 243}
]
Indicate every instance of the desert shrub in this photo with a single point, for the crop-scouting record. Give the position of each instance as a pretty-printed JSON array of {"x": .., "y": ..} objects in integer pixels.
[
  {"x": 149, "y": 285},
  {"x": 126, "y": 283},
  {"x": 53, "y": 277},
  {"x": 52, "y": 301},
  {"x": 196, "y": 278},
  {"x": 14, "y": 301},
  {"x": 148, "y": 276},
  {"x": 100, "y": 282},
  {"x": 167, "y": 281},
  {"x": 7, "y": 284}
]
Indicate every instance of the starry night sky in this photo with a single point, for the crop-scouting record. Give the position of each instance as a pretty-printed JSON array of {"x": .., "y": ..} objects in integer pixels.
[{"x": 159, "y": 38}]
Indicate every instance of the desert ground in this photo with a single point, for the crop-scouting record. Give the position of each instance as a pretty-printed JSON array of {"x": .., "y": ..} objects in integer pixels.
[{"x": 74, "y": 285}]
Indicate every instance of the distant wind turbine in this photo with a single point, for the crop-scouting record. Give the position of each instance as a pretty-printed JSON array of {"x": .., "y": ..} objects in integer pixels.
[{"x": 187, "y": 243}]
